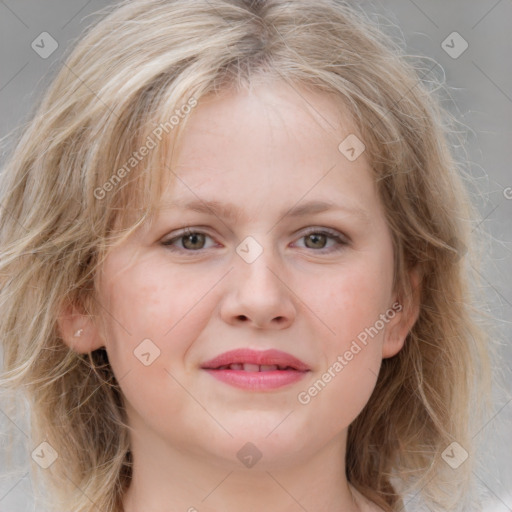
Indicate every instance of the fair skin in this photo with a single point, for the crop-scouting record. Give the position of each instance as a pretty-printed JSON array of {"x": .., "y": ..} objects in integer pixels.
[{"x": 266, "y": 151}]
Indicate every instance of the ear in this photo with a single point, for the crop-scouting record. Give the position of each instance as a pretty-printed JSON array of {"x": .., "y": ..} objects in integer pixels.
[
  {"x": 406, "y": 310},
  {"x": 78, "y": 331}
]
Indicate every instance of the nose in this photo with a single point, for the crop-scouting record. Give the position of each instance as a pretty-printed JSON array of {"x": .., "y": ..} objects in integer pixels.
[{"x": 259, "y": 294}]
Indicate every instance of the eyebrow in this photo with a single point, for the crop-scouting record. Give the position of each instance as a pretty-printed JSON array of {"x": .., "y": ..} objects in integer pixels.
[{"x": 232, "y": 212}]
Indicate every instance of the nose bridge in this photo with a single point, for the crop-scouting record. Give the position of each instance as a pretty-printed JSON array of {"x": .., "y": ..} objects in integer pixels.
[{"x": 255, "y": 262}]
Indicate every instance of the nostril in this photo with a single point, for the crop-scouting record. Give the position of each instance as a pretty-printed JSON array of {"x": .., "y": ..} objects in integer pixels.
[{"x": 242, "y": 317}]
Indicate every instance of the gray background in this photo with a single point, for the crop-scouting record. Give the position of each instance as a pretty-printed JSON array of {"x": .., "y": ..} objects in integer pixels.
[{"x": 480, "y": 85}]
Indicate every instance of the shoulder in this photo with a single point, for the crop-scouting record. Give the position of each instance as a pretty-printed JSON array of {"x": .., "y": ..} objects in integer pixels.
[{"x": 364, "y": 504}]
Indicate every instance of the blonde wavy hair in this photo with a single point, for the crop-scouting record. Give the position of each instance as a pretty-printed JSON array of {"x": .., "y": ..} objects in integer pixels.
[{"x": 66, "y": 203}]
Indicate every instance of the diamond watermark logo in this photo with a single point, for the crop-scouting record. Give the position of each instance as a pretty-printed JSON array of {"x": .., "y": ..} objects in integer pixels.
[
  {"x": 249, "y": 455},
  {"x": 352, "y": 147},
  {"x": 454, "y": 45},
  {"x": 249, "y": 250},
  {"x": 44, "y": 455},
  {"x": 44, "y": 45},
  {"x": 454, "y": 455},
  {"x": 146, "y": 352}
]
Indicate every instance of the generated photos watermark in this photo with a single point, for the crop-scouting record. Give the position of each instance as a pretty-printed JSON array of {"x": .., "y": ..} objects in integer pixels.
[
  {"x": 361, "y": 341},
  {"x": 151, "y": 143}
]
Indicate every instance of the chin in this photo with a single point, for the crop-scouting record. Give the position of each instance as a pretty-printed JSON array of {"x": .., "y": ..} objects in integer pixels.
[{"x": 275, "y": 444}]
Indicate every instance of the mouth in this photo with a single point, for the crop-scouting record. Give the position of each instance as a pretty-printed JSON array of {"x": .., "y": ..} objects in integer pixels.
[
  {"x": 256, "y": 370},
  {"x": 249, "y": 360}
]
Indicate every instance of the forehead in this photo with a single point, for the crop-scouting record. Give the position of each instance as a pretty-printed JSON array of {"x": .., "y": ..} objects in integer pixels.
[
  {"x": 276, "y": 115},
  {"x": 268, "y": 144}
]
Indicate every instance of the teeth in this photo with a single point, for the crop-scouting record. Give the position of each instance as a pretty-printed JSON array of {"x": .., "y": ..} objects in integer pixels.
[
  {"x": 251, "y": 367},
  {"x": 246, "y": 367},
  {"x": 254, "y": 367}
]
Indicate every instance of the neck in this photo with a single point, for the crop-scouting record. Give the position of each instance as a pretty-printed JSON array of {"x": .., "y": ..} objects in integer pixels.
[{"x": 167, "y": 480}]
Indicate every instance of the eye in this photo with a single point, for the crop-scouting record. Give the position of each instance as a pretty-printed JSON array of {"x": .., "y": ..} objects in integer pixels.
[
  {"x": 190, "y": 241},
  {"x": 318, "y": 238}
]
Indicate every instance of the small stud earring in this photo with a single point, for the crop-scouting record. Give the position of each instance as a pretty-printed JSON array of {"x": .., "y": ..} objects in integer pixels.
[{"x": 78, "y": 333}]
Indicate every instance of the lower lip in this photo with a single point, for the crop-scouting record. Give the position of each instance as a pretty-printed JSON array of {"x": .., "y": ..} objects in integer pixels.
[{"x": 257, "y": 380}]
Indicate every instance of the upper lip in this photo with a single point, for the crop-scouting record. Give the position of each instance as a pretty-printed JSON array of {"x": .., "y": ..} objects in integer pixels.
[{"x": 249, "y": 356}]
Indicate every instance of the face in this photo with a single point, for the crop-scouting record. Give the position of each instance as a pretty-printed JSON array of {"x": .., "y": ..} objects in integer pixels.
[{"x": 264, "y": 267}]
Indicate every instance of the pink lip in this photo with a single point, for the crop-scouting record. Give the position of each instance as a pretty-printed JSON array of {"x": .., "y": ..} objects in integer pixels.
[{"x": 260, "y": 380}]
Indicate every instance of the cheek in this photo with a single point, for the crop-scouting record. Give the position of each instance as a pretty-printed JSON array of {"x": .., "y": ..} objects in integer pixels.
[
  {"x": 154, "y": 297},
  {"x": 354, "y": 298},
  {"x": 154, "y": 314},
  {"x": 352, "y": 303}
]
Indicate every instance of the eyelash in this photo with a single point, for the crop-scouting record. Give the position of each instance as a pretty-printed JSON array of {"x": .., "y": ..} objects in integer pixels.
[{"x": 337, "y": 237}]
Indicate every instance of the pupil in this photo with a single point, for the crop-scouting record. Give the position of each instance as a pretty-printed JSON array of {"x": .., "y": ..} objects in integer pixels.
[
  {"x": 316, "y": 238},
  {"x": 193, "y": 238}
]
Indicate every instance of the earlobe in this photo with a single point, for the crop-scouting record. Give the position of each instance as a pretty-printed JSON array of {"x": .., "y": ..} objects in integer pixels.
[
  {"x": 399, "y": 327},
  {"x": 78, "y": 331}
]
